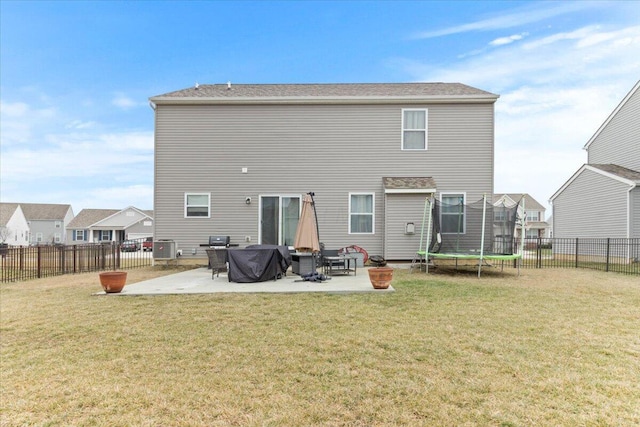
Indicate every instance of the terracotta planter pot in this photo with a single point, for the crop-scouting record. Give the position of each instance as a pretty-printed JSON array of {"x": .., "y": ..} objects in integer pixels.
[
  {"x": 113, "y": 281},
  {"x": 381, "y": 277}
]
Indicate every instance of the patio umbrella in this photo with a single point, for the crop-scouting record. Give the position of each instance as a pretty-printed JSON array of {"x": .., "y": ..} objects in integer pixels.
[{"x": 306, "y": 238}]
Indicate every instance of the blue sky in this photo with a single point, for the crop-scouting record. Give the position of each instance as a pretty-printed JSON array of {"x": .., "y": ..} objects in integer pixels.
[{"x": 75, "y": 77}]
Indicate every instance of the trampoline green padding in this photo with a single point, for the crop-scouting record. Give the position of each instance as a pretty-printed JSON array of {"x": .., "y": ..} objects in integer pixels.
[{"x": 494, "y": 257}]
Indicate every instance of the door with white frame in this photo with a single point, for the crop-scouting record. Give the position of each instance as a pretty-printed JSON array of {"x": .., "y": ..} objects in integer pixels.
[{"x": 279, "y": 216}]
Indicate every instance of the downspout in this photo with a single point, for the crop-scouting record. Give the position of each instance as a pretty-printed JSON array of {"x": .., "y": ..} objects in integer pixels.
[
  {"x": 155, "y": 128},
  {"x": 629, "y": 219},
  {"x": 484, "y": 217}
]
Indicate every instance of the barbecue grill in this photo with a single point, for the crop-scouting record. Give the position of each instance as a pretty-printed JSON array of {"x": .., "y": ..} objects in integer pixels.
[{"x": 219, "y": 241}]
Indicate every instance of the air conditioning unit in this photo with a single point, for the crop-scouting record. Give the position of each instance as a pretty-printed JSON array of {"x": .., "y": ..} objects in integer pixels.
[{"x": 164, "y": 249}]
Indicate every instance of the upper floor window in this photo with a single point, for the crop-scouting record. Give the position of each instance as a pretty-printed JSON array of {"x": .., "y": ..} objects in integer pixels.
[
  {"x": 361, "y": 208},
  {"x": 452, "y": 213},
  {"x": 196, "y": 205},
  {"x": 533, "y": 216},
  {"x": 414, "y": 129},
  {"x": 58, "y": 224}
]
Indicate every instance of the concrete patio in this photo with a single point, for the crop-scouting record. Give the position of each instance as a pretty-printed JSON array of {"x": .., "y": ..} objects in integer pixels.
[{"x": 198, "y": 281}]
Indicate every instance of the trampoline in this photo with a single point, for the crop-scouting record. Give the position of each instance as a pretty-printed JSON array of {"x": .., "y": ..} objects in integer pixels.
[{"x": 479, "y": 231}]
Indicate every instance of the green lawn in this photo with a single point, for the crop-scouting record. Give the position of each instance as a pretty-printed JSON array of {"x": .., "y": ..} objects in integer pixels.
[{"x": 551, "y": 347}]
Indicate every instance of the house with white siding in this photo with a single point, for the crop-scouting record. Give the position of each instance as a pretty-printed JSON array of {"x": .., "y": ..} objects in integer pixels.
[
  {"x": 37, "y": 223},
  {"x": 109, "y": 225},
  {"x": 602, "y": 198},
  {"x": 14, "y": 228},
  {"x": 236, "y": 160}
]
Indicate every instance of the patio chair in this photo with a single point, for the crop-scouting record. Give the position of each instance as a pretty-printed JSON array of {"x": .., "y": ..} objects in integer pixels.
[
  {"x": 329, "y": 261},
  {"x": 217, "y": 261}
]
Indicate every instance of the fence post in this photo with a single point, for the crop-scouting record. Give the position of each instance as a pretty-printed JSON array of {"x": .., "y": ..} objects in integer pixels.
[
  {"x": 577, "y": 251},
  {"x": 38, "y": 261},
  {"x": 538, "y": 253},
  {"x": 606, "y": 268}
]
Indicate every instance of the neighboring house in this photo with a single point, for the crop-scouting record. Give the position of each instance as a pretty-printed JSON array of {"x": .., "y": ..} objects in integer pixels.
[
  {"x": 602, "y": 199},
  {"x": 14, "y": 228},
  {"x": 535, "y": 226},
  {"x": 237, "y": 159},
  {"x": 110, "y": 225},
  {"x": 47, "y": 222}
]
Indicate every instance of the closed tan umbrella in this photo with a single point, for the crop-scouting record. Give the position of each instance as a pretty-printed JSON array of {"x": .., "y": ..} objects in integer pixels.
[{"x": 306, "y": 239}]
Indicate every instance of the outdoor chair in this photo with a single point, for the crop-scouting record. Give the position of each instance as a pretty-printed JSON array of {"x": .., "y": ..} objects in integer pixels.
[
  {"x": 329, "y": 263},
  {"x": 217, "y": 261}
]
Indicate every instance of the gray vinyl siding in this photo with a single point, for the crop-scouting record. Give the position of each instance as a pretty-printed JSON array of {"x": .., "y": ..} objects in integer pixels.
[
  {"x": 331, "y": 150},
  {"x": 141, "y": 228},
  {"x": 619, "y": 142},
  {"x": 634, "y": 202},
  {"x": 401, "y": 209},
  {"x": 592, "y": 205}
]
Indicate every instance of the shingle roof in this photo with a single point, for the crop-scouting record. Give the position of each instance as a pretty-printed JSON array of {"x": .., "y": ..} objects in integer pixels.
[
  {"x": 620, "y": 171},
  {"x": 327, "y": 91},
  {"x": 44, "y": 211},
  {"x": 6, "y": 212},
  {"x": 409, "y": 183},
  {"x": 530, "y": 203},
  {"x": 87, "y": 217}
]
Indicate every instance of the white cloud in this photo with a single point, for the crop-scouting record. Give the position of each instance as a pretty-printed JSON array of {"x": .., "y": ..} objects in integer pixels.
[
  {"x": 507, "y": 40},
  {"x": 79, "y": 124},
  {"x": 80, "y": 155},
  {"x": 555, "y": 92},
  {"x": 518, "y": 17},
  {"x": 124, "y": 102},
  {"x": 111, "y": 197}
]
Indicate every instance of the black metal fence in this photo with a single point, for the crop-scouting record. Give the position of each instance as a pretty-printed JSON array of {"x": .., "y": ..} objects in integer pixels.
[
  {"x": 605, "y": 254},
  {"x": 32, "y": 262}
]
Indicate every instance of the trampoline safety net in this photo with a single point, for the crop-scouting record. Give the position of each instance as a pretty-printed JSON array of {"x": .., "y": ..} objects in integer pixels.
[{"x": 457, "y": 227}]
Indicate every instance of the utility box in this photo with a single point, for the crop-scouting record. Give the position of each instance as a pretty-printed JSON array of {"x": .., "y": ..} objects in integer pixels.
[{"x": 164, "y": 249}]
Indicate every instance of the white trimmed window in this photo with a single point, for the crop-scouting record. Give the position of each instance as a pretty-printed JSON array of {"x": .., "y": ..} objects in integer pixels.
[
  {"x": 105, "y": 235},
  {"x": 39, "y": 237},
  {"x": 196, "y": 205},
  {"x": 531, "y": 233},
  {"x": 452, "y": 213},
  {"x": 80, "y": 235},
  {"x": 361, "y": 217},
  {"x": 57, "y": 237},
  {"x": 533, "y": 216},
  {"x": 414, "y": 129}
]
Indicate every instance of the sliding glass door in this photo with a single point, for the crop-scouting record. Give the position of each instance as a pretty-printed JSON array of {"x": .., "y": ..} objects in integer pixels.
[{"x": 278, "y": 219}]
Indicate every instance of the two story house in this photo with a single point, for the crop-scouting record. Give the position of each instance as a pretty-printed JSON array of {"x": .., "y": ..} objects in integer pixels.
[
  {"x": 35, "y": 223},
  {"x": 602, "y": 199},
  {"x": 236, "y": 160},
  {"x": 536, "y": 226},
  {"x": 110, "y": 225},
  {"x": 47, "y": 222}
]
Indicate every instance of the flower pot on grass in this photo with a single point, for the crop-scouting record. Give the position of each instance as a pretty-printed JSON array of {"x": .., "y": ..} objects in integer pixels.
[
  {"x": 381, "y": 275},
  {"x": 113, "y": 281}
]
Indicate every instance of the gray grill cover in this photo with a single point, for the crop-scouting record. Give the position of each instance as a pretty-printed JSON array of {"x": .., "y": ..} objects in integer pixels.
[{"x": 258, "y": 263}]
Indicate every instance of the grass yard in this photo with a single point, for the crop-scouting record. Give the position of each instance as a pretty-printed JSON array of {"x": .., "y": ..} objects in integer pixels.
[{"x": 548, "y": 348}]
